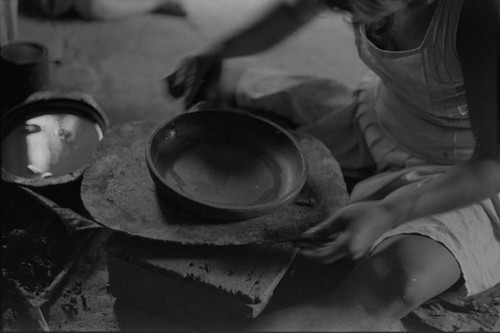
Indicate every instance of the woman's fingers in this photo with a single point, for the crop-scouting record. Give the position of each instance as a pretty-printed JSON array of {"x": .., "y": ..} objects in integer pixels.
[
  {"x": 175, "y": 85},
  {"x": 193, "y": 81},
  {"x": 313, "y": 241},
  {"x": 178, "y": 80},
  {"x": 209, "y": 90},
  {"x": 325, "y": 229},
  {"x": 328, "y": 252}
]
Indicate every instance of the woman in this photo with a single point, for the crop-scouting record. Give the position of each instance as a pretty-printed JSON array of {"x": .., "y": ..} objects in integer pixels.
[{"x": 425, "y": 119}]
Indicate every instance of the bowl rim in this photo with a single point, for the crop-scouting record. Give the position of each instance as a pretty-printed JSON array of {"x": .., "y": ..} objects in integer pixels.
[
  {"x": 82, "y": 105},
  {"x": 231, "y": 208}
]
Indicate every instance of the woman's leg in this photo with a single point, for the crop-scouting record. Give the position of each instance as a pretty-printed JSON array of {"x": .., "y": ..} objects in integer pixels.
[{"x": 402, "y": 273}]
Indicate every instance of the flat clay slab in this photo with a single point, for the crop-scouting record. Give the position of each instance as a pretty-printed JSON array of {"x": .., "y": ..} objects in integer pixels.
[
  {"x": 119, "y": 193},
  {"x": 200, "y": 280}
]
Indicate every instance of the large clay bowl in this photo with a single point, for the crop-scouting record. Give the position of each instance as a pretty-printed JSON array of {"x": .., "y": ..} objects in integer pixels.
[{"x": 225, "y": 165}]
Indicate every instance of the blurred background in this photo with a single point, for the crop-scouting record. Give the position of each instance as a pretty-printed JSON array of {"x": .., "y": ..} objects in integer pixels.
[{"x": 118, "y": 52}]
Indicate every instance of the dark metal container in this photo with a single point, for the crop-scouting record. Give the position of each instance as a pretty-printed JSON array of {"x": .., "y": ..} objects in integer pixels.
[{"x": 25, "y": 69}]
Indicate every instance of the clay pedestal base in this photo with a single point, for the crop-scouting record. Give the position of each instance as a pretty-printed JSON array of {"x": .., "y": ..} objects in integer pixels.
[{"x": 196, "y": 285}]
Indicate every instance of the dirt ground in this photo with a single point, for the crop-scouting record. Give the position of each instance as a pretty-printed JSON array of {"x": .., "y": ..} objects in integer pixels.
[{"x": 122, "y": 63}]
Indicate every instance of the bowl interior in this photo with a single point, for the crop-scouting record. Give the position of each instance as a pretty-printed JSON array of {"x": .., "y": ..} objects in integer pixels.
[
  {"x": 227, "y": 159},
  {"x": 43, "y": 141}
]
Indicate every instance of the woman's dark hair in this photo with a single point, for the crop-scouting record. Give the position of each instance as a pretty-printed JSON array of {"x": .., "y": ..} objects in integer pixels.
[
  {"x": 337, "y": 5},
  {"x": 365, "y": 10}
]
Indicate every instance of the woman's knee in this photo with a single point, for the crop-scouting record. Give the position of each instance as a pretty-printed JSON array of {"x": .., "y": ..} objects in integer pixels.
[{"x": 416, "y": 268}]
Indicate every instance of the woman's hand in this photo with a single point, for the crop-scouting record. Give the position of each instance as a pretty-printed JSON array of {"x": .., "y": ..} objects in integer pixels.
[
  {"x": 350, "y": 232},
  {"x": 196, "y": 78}
]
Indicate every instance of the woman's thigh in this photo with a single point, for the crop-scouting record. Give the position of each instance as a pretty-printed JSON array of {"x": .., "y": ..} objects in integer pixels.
[{"x": 403, "y": 272}]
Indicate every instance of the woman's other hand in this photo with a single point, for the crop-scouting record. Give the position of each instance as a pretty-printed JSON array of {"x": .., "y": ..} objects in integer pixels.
[
  {"x": 196, "y": 78},
  {"x": 350, "y": 232}
]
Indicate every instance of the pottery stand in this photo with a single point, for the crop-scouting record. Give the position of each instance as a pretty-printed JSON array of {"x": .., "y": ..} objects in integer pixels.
[
  {"x": 176, "y": 264},
  {"x": 119, "y": 193}
]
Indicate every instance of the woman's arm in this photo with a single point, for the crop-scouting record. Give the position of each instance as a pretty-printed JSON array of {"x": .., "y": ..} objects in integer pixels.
[
  {"x": 272, "y": 25},
  {"x": 479, "y": 179},
  {"x": 351, "y": 231},
  {"x": 197, "y": 76},
  {"x": 477, "y": 42},
  {"x": 456, "y": 188}
]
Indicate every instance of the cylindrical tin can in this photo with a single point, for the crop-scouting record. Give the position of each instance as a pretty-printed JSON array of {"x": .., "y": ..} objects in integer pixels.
[{"x": 25, "y": 70}]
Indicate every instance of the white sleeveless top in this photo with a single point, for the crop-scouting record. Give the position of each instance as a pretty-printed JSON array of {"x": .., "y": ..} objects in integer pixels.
[{"x": 420, "y": 98}]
